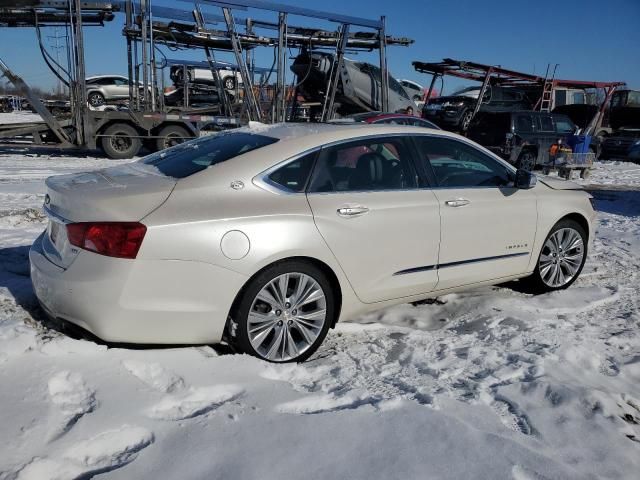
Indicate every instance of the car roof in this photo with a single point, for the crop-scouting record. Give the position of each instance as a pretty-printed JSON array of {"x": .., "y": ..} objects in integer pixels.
[
  {"x": 382, "y": 116},
  {"x": 95, "y": 77},
  {"x": 310, "y": 135}
]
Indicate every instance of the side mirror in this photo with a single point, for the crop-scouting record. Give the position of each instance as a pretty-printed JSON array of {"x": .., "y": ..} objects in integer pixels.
[{"x": 525, "y": 179}]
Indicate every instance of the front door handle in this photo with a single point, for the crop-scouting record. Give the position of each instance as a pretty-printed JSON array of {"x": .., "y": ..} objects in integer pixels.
[
  {"x": 352, "y": 211},
  {"x": 458, "y": 202}
]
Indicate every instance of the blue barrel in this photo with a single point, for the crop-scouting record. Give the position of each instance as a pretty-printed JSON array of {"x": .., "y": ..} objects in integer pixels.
[{"x": 579, "y": 143}]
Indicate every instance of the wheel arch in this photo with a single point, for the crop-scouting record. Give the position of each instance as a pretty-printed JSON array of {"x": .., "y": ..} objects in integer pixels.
[
  {"x": 102, "y": 127},
  {"x": 326, "y": 269},
  {"x": 189, "y": 127},
  {"x": 579, "y": 219}
]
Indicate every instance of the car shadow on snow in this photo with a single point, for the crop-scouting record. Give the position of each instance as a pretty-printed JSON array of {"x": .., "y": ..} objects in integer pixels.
[
  {"x": 617, "y": 202},
  {"x": 15, "y": 277}
]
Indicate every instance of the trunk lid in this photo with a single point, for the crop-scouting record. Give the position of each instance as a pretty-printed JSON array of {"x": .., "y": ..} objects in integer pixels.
[{"x": 126, "y": 193}]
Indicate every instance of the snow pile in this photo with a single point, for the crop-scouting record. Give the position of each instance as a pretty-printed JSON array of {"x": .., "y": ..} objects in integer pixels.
[{"x": 490, "y": 383}]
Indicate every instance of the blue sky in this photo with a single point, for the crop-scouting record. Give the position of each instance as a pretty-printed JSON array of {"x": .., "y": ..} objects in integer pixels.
[{"x": 589, "y": 39}]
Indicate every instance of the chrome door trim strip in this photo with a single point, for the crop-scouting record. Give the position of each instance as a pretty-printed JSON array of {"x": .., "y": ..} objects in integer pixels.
[
  {"x": 483, "y": 259},
  {"x": 416, "y": 270},
  {"x": 461, "y": 262}
]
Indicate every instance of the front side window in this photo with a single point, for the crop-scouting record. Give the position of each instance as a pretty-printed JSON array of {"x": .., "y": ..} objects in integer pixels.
[
  {"x": 564, "y": 125},
  {"x": 396, "y": 87},
  {"x": 197, "y": 155},
  {"x": 365, "y": 165},
  {"x": 458, "y": 165}
]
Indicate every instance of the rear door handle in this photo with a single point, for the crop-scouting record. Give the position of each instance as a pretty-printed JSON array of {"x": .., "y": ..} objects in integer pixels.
[
  {"x": 352, "y": 211},
  {"x": 458, "y": 202}
]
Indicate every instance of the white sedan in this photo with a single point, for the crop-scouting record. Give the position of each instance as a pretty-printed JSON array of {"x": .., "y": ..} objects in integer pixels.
[{"x": 265, "y": 237}]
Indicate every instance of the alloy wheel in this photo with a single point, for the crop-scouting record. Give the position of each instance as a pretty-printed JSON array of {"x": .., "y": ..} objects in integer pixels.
[
  {"x": 96, "y": 100},
  {"x": 561, "y": 257},
  {"x": 287, "y": 316}
]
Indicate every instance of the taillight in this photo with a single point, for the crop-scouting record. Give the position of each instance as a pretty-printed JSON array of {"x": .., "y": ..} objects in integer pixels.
[{"x": 113, "y": 239}]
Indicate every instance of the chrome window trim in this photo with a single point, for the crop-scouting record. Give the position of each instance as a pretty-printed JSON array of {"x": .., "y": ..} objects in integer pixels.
[
  {"x": 262, "y": 180},
  {"x": 481, "y": 150}
]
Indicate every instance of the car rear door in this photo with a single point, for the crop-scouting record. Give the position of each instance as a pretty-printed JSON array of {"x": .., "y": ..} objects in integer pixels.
[
  {"x": 383, "y": 229},
  {"x": 487, "y": 225}
]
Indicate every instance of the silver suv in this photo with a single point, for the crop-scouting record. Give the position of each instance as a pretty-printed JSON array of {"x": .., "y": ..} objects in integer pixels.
[{"x": 104, "y": 88}]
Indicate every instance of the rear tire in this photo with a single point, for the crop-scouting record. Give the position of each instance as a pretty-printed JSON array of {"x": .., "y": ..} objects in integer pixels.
[
  {"x": 564, "y": 251},
  {"x": 121, "y": 141},
  {"x": 171, "y": 135},
  {"x": 271, "y": 320}
]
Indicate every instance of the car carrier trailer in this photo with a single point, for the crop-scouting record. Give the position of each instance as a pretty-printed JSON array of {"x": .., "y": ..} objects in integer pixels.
[{"x": 146, "y": 121}]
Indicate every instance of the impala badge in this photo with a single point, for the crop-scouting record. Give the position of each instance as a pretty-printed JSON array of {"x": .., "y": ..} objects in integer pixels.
[{"x": 237, "y": 185}]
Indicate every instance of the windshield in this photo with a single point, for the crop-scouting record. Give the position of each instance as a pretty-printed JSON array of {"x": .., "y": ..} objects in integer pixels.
[
  {"x": 467, "y": 92},
  {"x": 196, "y": 155}
]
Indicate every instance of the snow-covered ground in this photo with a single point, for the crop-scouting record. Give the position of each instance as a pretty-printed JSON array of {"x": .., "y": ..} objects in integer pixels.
[
  {"x": 19, "y": 117},
  {"x": 490, "y": 384}
]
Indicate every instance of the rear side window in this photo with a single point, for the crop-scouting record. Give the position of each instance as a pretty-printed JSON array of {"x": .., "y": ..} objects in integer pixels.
[
  {"x": 418, "y": 122},
  {"x": 194, "y": 156},
  {"x": 394, "y": 121},
  {"x": 293, "y": 176},
  {"x": 366, "y": 165},
  {"x": 545, "y": 124},
  {"x": 524, "y": 123}
]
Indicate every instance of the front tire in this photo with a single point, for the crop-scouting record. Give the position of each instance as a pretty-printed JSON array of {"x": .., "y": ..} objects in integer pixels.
[
  {"x": 284, "y": 313},
  {"x": 561, "y": 259},
  {"x": 96, "y": 99}
]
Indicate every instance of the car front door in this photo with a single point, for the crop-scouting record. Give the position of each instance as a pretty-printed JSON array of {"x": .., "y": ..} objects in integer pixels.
[
  {"x": 383, "y": 229},
  {"x": 547, "y": 136},
  {"x": 487, "y": 225}
]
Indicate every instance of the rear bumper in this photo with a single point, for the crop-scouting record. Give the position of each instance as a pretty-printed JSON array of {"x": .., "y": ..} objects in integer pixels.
[{"x": 137, "y": 301}]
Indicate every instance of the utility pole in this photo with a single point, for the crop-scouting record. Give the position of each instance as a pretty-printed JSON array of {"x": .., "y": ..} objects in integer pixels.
[{"x": 56, "y": 46}]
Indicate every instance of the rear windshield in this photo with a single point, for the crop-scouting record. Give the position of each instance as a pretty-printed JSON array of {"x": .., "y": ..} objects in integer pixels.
[{"x": 196, "y": 155}]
